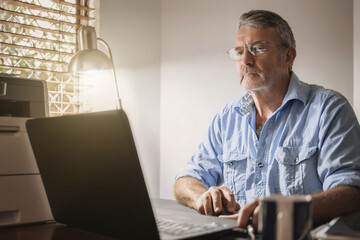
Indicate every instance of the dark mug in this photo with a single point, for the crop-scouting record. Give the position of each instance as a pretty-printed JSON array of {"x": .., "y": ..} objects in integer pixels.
[{"x": 285, "y": 217}]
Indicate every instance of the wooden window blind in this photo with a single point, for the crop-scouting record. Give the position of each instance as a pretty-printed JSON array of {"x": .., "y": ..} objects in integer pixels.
[{"x": 38, "y": 39}]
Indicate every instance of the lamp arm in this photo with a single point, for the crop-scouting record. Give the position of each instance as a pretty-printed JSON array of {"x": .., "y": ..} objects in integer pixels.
[{"x": 114, "y": 72}]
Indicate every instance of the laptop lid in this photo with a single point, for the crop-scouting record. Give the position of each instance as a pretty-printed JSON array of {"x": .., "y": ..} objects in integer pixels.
[{"x": 92, "y": 175}]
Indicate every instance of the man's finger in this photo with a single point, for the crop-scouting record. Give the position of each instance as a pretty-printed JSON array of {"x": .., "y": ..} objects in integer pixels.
[
  {"x": 207, "y": 205},
  {"x": 255, "y": 218},
  {"x": 216, "y": 199},
  {"x": 237, "y": 207},
  {"x": 229, "y": 199},
  {"x": 232, "y": 216},
  {"x": 199, "y": 206},
  {"x": 246, "y": 212}
]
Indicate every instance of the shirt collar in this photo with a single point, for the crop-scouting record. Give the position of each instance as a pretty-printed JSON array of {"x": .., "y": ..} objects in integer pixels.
[{"x": 297, "y": 90}]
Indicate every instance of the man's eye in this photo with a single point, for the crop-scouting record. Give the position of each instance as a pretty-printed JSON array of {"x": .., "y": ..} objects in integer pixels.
[
  {"x": 239, "y": 51},
  {"x": 259, "y": 49}
]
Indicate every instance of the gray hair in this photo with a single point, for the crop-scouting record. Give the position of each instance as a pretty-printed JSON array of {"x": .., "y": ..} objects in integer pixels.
[{"x": 265, "y": 19}]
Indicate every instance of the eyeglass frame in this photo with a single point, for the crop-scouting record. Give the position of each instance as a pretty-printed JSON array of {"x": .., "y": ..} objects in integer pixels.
[{"x": 232, "y": 51}]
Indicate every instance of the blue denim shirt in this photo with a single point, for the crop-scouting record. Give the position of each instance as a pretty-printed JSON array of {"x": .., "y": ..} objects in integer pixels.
[{"x": 310, "y": 144}]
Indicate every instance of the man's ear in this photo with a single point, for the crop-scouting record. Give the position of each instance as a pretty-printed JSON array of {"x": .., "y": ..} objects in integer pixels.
[{"x": 290, "y": 55}]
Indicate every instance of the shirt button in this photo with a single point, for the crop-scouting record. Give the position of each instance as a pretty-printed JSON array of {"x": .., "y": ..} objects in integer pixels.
[
  {"x": 296, "y": 159},
  {"x": 260, "y": 165},
  {"x": 230, "y": 164}
]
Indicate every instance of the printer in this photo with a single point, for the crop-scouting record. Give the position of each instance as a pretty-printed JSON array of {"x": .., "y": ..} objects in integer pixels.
[{"x": 22, "y": 196}]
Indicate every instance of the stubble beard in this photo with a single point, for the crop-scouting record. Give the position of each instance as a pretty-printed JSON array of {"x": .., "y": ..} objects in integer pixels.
[{"x": 251, "y": 79}]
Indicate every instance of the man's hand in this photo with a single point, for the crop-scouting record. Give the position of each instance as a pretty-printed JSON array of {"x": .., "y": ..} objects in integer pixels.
[
  {"x": 248, "y": 214},
  {"x": 215, "y": 199},
  {"x": 192, "y": 193}
]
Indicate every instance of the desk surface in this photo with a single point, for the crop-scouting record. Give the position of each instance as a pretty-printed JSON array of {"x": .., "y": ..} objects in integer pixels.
[
  {"x": 47, "y": 231},
  {"x": 57, "y": 231}
]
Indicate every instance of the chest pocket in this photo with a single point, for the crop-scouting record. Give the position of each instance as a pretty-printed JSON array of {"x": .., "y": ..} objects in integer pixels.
[
  {"x": 293, "y": 164},
  {"x": 234, "y": 172}
]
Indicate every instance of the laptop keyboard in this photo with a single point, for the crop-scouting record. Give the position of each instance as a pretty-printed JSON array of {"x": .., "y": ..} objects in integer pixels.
[{"x": 176, "y": 229}]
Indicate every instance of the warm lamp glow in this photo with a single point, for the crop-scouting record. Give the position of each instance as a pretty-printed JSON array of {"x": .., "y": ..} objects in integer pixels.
[{"x": 89, "y": 60}]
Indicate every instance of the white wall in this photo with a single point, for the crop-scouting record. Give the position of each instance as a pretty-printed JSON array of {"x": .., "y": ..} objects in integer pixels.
[
  {"x": 132, "y": 29},
  {"x": 175, "y": 75},
  {"x": 197, "y": 79},
  {"x": 357, "y": 58}
]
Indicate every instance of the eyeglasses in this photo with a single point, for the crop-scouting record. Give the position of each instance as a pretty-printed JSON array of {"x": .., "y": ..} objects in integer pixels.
[{"x": 255, "y": 48}]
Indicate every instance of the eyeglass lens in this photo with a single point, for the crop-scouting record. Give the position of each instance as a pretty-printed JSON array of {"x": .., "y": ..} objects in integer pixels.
[{"x": 255, "y": 49}]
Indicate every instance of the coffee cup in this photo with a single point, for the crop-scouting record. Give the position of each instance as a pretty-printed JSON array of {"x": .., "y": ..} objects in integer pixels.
[{"x": 285, "y": 217}]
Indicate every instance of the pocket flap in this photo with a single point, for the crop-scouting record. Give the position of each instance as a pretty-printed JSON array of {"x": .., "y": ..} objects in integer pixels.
[
  {"x": 232, "y": 156},
  {"x": 294, "y": 155}
]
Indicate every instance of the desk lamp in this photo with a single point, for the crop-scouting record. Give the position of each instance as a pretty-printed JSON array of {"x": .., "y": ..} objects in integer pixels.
[{"x": 89, "y": 58}]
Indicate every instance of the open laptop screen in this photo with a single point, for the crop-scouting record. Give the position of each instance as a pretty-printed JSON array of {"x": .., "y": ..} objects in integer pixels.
[{"x": 92, "y": 175}]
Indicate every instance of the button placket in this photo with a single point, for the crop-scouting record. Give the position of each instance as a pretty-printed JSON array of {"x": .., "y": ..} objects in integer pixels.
[{"x": 230, "y": 176}]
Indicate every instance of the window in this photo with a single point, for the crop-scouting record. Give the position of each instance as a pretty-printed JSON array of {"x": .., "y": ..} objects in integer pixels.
[{"x": 38, "y": 39}]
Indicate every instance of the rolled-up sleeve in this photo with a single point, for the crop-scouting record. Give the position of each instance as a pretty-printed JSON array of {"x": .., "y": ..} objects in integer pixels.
[
  {"x": 204, "y": 164},
  {"x": 339, "y": 134}
]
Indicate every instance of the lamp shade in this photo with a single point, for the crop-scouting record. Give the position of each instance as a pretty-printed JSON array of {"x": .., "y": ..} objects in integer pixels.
[
  {"x": 89, "y": 60},
  {"x": 89, "y": 57}
]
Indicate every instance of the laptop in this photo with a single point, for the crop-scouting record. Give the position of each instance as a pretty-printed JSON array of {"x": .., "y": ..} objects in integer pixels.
[{"x": 93, "y": 179}]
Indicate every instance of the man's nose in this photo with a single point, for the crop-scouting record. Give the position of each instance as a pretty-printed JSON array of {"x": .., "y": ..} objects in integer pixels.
[{"x": 247, "y": 58}]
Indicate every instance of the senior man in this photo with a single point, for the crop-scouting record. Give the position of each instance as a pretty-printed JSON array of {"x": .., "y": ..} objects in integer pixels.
[{"x": 283, "y": 136}]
